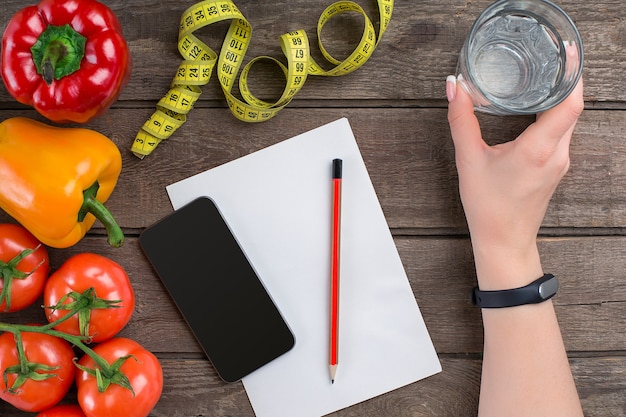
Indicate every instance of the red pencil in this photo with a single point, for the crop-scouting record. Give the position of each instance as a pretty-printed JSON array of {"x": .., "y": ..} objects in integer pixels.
[{"x": 334, "y": 273}]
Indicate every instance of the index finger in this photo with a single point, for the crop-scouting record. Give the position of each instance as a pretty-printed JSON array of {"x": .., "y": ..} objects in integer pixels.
[{"x": 464, "y": 126}]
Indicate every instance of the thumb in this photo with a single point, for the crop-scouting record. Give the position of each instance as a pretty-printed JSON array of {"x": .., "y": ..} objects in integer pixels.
[
  {"x": 558, "y": 122},
  {"x": 464, "y": 125}
]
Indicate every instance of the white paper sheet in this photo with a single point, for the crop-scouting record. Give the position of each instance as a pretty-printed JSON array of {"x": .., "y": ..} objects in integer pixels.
[{"x": 278, "y": 203}]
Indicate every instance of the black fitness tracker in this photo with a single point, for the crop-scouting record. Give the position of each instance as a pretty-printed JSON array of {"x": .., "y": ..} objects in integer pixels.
[{"x": 536, "y": 292}]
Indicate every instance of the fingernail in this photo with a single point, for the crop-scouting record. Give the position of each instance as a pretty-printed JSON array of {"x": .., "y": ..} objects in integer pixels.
[{"x": 451, "y": 88}]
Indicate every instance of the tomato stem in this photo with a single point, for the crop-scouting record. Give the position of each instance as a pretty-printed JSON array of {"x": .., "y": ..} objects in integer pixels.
[
  {"x": 25, "y": 369},
  {"x": 19, "y": 345},
  {"x": 81, "y": 305},
  {"x": 9, "y": 272},
  {"x": 107, "y": 373},
  {"x": 77, "y": 341}
]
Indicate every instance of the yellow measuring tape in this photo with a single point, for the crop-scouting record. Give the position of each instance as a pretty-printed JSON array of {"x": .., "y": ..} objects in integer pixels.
[{"x": 199, "y": 61}]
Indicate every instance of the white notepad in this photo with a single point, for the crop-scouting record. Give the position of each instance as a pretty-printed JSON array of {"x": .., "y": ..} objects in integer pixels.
[{"x": 278, "y": 204}]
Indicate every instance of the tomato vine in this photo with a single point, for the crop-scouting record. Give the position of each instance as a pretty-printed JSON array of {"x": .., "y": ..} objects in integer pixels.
[{"x": 107, "y": 373}]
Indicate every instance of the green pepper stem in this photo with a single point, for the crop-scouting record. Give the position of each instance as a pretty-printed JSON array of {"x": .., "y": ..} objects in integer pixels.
[
  {"x": 54, "y": 52},
  {"x": 58, "y": 52},
  {"x": 95, "y": 207}
]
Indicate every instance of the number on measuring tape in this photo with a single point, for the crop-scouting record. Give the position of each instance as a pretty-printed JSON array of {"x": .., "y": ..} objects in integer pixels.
[{"x": 199, "y": 61}]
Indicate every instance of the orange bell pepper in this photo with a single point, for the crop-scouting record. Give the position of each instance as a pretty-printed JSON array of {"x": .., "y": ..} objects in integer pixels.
[{"x": 54, "y": 180}]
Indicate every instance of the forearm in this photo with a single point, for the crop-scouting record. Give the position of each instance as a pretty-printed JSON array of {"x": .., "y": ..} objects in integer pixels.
[
  {"x": 525, "y": 365},
  {"x": 505, "y": 190}
]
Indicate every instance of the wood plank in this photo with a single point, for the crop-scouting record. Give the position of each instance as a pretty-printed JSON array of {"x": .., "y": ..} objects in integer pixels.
[
  {"x": 591, "y": 303},
  {"x": 408, "y": 152},
  {"x": 599, "y": 396},
  {"x": 193, "y": 389},
  {"x": 419, "y": 49}
]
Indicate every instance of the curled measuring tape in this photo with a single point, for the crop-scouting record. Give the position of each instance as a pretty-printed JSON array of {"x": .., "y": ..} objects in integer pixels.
[{"x": 199, "y": 61}]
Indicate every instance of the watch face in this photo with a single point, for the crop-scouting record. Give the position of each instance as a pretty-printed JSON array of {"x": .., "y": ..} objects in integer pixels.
[{"x": 549, "y": 288}]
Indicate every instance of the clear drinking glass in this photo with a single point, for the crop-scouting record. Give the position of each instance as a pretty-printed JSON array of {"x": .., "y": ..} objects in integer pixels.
[{"x": 520, "y": 57}]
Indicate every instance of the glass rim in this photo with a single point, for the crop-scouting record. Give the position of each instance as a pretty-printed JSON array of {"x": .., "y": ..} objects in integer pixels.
[{"x": 488, "y": 12}]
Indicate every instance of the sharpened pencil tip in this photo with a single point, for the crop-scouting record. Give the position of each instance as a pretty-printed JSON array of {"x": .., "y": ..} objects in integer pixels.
[{"x": 333, "y": 371}]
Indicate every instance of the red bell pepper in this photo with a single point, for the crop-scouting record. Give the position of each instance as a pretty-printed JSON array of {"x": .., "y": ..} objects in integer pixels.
[{"x": 66, "y": 58}]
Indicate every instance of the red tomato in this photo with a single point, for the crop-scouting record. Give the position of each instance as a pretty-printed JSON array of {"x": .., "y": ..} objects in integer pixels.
[
  {"x": 15, "y": 239},
  {"x": 109, "y": 281},
  {"x": 143, "y": 371},
  {"x": 35, "y": 396},
  {"x": 69, "y": 410}
]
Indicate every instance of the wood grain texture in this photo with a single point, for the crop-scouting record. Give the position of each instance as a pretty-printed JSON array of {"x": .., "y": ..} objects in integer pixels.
[
  {"x": 419, "y": 49},
  {"x": 396, "y": 106}
]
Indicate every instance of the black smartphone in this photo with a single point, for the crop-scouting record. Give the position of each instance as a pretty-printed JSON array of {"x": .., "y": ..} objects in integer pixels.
[{"x": 217, "y": 290}]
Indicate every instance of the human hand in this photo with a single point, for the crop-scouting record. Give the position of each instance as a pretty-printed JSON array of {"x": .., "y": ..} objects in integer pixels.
[{"x": 505, "y": 189}]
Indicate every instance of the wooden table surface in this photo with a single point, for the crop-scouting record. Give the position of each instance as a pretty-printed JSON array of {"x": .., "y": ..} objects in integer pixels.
[{"x": 396, "y": 105}]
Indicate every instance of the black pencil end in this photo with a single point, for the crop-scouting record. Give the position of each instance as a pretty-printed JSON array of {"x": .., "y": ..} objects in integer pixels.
[{"x": 337, "y": 168}]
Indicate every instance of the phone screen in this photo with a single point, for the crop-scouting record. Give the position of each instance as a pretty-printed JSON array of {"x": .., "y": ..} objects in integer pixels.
[{"x": 218, "y": 292}]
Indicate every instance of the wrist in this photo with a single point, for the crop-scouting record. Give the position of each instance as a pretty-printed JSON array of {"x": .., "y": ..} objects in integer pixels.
[
  {"x": 540, "y": 290},
  {"x": 505, "y": 267}
]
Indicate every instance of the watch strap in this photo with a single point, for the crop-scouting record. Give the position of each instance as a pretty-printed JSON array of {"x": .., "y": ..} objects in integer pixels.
[{"x": 537, "y": 291}]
